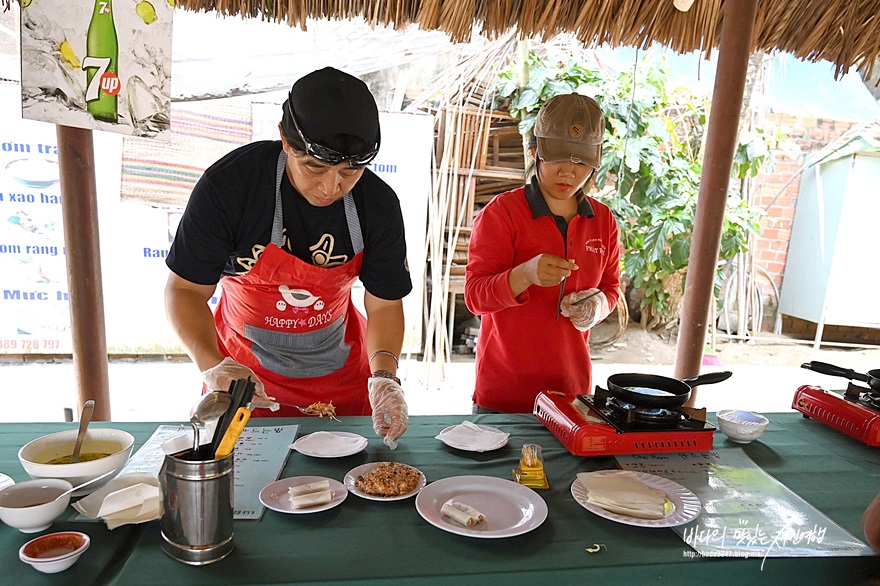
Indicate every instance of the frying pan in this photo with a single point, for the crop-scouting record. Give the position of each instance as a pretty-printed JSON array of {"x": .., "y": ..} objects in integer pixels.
[
  {"x": 651, "y": 390},
  {"x": 872, "y": 378}
]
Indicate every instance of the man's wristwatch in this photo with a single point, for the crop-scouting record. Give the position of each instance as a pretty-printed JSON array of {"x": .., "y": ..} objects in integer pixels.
[{"x": 384, "y": 374}]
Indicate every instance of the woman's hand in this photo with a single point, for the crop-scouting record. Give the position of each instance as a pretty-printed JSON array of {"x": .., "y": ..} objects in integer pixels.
[{"x": 544, "y": 270}]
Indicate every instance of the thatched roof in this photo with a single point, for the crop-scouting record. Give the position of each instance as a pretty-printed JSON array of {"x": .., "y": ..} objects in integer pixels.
[{"x": 844, "y": 32}]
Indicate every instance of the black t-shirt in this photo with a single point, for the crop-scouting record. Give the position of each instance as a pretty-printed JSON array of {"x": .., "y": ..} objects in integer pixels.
[{"x": 228, "y": 223}]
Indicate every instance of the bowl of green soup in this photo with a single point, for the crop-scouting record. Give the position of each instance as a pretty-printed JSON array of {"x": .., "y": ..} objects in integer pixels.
[{"x": 103, "y": 450}]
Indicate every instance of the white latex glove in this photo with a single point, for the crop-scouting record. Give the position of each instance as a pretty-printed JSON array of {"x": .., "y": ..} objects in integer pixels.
[
  {"x": 221, "y": 376},
  {"x": 589, "y": 312},
  {"x": 390, "y": 413}
]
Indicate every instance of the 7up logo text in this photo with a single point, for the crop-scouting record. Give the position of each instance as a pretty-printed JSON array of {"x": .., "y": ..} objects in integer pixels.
[{"x": 100, "y": 64}]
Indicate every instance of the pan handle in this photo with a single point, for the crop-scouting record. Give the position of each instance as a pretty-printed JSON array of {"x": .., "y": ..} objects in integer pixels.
[
  {"x": 708, "y": 378},
  {"x": 830, "y": 369}
]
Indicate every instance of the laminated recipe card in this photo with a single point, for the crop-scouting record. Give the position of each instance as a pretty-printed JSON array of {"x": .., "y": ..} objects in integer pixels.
[{"x": 746, "y": 512}]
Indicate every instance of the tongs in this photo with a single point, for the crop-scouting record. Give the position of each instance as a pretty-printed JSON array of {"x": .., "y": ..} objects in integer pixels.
[{"x": 235, "y": 417}]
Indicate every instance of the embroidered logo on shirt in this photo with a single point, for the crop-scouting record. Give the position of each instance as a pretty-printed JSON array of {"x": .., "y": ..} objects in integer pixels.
[{"x": 595, "y": 245}]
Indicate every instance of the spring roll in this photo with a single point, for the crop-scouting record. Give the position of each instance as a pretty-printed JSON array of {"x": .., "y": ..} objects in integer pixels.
[
  {"x": 462, "y": 513},
  {"x": 302, "y": 489}
]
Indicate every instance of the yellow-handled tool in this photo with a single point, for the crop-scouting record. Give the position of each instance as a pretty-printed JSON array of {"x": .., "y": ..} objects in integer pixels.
[{"x": 232, "y": 432}]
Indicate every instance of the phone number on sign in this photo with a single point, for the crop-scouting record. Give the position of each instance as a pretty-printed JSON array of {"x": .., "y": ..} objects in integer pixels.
[{"x": 25, "y": 345}]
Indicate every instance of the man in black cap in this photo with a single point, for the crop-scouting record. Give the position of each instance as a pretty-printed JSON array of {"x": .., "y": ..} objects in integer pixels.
[{"x": 287, "y": 227}]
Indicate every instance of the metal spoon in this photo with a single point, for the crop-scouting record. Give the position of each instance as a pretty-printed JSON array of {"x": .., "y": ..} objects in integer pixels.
[
  {"x": 84, "y": 418},
  {"x": 209, "y": 407},
  {"x": 86, "y": 483}
]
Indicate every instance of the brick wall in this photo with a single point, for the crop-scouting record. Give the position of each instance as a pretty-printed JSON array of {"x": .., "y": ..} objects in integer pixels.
[{"x": 776, "y": 193}]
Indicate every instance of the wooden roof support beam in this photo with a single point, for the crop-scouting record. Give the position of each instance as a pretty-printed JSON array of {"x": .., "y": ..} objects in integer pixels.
[
  {"x": 737, "y": 27},
  {"x": 79, "y": 209}
]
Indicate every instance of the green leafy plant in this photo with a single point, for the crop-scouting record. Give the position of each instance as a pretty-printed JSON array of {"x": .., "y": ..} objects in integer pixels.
[{"x": 650, "y": 169}]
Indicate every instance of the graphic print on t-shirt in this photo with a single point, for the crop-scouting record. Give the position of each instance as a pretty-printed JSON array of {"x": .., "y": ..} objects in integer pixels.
[
  {"x": 247, "y": 263},
  {"x": 322, "y": 253}
]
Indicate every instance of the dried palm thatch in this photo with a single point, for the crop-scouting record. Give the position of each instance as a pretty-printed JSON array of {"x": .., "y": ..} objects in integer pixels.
[{"x": 844, "y": 32}]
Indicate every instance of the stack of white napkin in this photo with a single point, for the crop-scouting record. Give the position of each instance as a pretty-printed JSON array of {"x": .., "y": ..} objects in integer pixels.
[
  {"x": 127, "y": 499},
  {"x": 472, "y": 437}
]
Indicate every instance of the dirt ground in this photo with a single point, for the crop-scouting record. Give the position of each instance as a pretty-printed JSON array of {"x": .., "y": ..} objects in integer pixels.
[{"x": 637, "y": 346}]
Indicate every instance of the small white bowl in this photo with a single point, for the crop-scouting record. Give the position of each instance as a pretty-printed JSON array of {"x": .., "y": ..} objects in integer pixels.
[
  {"x": 35, "y": 455},
  {"x": 741, "y": 427},
  {"x": 32, "y": 505},
  {"x": 54, "y": 552}
]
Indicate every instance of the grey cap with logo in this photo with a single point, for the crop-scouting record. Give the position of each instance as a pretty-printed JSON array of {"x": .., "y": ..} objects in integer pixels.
[{"x": 570, "y": 127}]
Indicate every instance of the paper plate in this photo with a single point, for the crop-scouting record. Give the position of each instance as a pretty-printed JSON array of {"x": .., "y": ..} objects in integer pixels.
[
  {"x": 330, "y": 444},
  {"x": 462, "y": 442}
]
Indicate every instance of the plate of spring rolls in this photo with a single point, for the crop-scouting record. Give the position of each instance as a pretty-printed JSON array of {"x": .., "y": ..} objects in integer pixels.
[{"x": 303, "y": 494}]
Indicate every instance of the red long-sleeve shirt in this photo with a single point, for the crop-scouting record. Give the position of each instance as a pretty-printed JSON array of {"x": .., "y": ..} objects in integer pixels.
[{"x": 522, "y": 347}]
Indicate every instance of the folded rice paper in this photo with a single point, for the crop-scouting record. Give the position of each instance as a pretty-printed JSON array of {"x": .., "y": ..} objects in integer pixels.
[{"x": 621, "y": 491}]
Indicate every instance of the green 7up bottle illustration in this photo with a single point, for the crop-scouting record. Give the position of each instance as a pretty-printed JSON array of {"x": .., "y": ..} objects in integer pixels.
[{"x": 101, "y": 63}]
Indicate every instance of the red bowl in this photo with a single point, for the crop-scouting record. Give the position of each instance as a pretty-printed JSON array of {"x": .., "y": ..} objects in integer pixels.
[{"x": 54, "y": 552}]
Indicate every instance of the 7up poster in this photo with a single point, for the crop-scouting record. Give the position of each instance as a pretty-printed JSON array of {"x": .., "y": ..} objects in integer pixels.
[{"x": 101, "y": 64}]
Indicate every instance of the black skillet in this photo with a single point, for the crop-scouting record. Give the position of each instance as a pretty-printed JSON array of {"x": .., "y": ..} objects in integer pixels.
[
  {"x": 650, "y": 390},
  {"x": 872, "y": 378}
]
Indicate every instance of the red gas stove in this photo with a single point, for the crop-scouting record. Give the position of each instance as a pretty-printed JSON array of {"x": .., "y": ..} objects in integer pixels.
[
  {"x": 855, "y": 412},
  {"x": 603, "y": 425}
]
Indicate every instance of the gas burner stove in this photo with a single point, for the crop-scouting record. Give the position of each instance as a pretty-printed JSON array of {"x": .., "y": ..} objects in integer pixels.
[
  {"x": 856, "y": 412},
  {"x": 601, "y": 425}
]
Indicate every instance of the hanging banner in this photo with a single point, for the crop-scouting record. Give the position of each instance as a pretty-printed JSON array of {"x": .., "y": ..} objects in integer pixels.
[{"x": 98, "y": 64}]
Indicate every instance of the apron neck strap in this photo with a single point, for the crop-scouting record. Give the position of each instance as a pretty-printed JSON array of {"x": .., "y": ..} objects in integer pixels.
[{"x": 351, "y": 214}]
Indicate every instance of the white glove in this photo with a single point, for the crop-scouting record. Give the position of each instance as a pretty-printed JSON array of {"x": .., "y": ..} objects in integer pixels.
[
  {"x": 587, "y": 313},
  {"x": 390, "y": 413},
  {"x": 221, "y": 376}
]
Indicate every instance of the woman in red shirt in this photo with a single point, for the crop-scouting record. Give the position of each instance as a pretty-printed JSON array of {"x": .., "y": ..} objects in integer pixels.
[{"x": 544, "y": 266}]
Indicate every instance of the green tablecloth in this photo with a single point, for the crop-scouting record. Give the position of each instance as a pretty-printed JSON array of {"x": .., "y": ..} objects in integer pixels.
[{"x": 389, "y": 542}]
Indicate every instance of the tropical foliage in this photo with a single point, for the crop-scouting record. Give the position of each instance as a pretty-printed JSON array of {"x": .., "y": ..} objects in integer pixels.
[{"x": 650, "y": 170}]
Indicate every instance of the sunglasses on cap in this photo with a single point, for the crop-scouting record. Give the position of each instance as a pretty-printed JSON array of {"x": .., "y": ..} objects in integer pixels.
[
  {"x": 571, "y": 159},
  {"x": 330, "y": 156}
]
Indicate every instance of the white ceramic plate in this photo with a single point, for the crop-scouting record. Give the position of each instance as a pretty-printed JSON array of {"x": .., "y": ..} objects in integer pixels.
[
  {"x": 276, "y": 497},
  {"x": 469, "y": 447},
  {"x": 686, "y": 504},
  {"x": 510, "y": 508},
  {"x": 358, "y": 471},
  {"x": 306, "y": 445},
  {"x": 5, "y": 481}
]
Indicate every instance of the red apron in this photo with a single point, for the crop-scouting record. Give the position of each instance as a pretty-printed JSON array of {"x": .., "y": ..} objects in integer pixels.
[{"x": 294, "y": 324}]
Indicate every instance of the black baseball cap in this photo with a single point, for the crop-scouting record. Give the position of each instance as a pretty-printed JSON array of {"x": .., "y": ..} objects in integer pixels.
[{"x": 335, "y": 116}]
